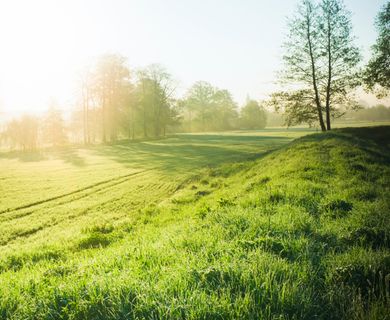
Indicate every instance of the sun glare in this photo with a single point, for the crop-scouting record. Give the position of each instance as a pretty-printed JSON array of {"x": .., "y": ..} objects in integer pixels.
[{"x": 42, "y": 53}]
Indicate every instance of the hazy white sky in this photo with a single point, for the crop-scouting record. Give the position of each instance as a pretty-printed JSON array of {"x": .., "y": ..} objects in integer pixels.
[{"x": 233, "y": 44}]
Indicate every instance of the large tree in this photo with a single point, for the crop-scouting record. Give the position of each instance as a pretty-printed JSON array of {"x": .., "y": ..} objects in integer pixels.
[
  {"x": 111, "y": 79},
  {"x": 226, "y": 115},
  {"x": 320, "y": 60},
  {"x": 87, "y": 81},
  {"x": 253, "y": 116},
  {"x": 155, "y": 88},
  {"x": 53, "y": 127},
  {"x": 23, "y": 133},
  {"x": 377, "y": 73},
  {"x": 209, "y": 108},
  {"x": 199, "y": 103}
]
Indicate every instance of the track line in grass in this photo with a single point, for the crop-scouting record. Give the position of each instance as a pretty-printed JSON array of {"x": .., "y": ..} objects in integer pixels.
[
  {"x": 46, "y": 224},
  {"x": 36, "y": 203}
]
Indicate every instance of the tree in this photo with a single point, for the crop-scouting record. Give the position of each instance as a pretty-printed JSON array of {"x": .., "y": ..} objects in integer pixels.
[
  {"x": 87, "y": 97},
  {"x": 53, "y": 127},
  {"x": 341, "y": 55},
  {"x": 253, "y": 116},
  {"x": 154, "y": 91},
  {"x": 130, "y": 111},
  {"x": 377, "y": 72},
  {"x": 321, "y": 60},
  {"x": 209, "y": 108},
  {"x": 376, "y": 113},
  {"x": 199, "y": 103},
  {"x": 225, "y": 110},
  {"x": 23, "y": 132},
  {"x": 303, "y": 53},
  {"x": 112, "y": 76},
  {"x": 297, "y": 106},
  {"x": 174, "y": 117}
]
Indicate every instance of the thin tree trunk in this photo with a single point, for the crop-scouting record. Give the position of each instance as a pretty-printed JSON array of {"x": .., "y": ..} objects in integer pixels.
[
  {"x": 314, "y": 78},
  {"x": 328, "y": 87},
  {"x": 87, "y": 131},
  {"x": 190, "y": 121},
  {"x": 87, "y": 123},
  {"x": 84, "y": 115},
  {"x": 132, "y": 123},
  {"x": 103, "y": 120},
  {"x": 156, "y": 109},
  {"x": 144, "y": 110}
]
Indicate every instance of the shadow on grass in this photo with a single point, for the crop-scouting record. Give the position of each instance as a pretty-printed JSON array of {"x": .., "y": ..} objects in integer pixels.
[
  {"x": 67, "y": 154},
  {"x": 185, "y": 152},
  {"x": 24, "y": 156},
  {"x": 71, "y": 156},
  {"x": 373, "y": 140},
  {"x": 180, "y": 151}
]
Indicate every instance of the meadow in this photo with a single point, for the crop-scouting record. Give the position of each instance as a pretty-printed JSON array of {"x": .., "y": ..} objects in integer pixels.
[{"x": 268, "y": 224}]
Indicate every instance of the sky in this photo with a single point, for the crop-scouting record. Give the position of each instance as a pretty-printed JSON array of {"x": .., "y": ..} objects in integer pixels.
[{"x": 233, "y": 44}]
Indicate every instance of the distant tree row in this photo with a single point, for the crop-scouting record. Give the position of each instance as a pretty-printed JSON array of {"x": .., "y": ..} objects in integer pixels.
[
  {"x": 207, "y": 108},
  {"x": 29, "y": 132},
  {"x": 375, "y": 113},
  {"x": 117, "y": 103}
]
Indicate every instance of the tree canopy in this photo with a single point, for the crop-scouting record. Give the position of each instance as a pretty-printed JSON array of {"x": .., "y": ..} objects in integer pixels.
[
  {"x": 377, "y": 73},
  {"x": 253, "y": 116},
  {"x": 321, "y": 62}
]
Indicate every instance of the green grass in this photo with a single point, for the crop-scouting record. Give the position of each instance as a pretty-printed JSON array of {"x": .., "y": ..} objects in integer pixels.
[{"x": 213, "y": 226}]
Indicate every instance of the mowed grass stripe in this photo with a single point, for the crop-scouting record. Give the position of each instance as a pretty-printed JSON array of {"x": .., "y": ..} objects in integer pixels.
[
  {"x": 116, "y": 180},
  {"x": 115, "y": 202},
  {"x": 55, "y": 173}
]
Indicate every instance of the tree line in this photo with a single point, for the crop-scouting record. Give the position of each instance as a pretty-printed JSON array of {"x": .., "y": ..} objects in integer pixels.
[
  {"x": 321, "y": 72},
  {"x": 115, "y": 102},
  {"x": 376, "y": 113}
]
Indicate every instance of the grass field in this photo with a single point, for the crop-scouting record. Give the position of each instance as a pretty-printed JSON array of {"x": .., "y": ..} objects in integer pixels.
[{"x": 249, "y": 225}]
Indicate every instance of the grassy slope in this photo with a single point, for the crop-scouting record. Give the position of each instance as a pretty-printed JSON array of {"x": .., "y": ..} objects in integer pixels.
[
  {"x": 50, "y": 197},
  {"x": 300, "y": 232}
]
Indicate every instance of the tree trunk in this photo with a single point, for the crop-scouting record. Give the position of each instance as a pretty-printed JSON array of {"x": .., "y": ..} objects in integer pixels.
[
  {"x": 104, "y": 121},
  {"x": 190, "y": 123},
  {"x": 144, "y": 110},
  {"x": 328, "y": 86},
  {"x": 314, "y": 78},
  {"x": 84, "y": 115},
  {"x": 87, "y": 123},
  {"x": 132, "y": 123}
]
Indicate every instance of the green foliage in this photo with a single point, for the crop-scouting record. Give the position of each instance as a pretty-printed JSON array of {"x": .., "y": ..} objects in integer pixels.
[
  {"x": 253, "y": 116},
  {"x": 23, "y": 133},
  {"x": 206, "y": 108},
  {"x": 206, "y": 231},
  {"x": 321, "y": 61},
  {"x": 54, "y": 127},
  {"x": 376, "y": 113},
  {"x": 377, "y": 71},
  {"x": 297, "y": 107}
]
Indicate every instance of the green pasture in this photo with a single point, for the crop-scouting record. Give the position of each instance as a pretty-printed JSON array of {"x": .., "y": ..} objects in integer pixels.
[{"x": 272, "y": 224}]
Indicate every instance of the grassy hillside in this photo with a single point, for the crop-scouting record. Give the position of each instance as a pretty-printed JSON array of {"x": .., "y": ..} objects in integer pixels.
[
  {"x": 50, "y": 196},
  {"x": 136, "y": 231}
]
